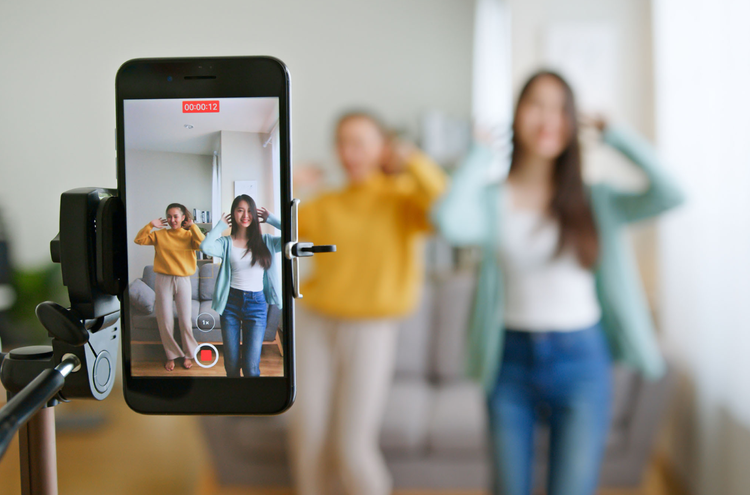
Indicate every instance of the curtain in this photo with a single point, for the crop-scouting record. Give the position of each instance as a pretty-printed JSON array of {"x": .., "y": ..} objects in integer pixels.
[
  {"x": 274, "y": 141},
  {"x": 216, "y": 193},
  {"x": 276, "y": 168},
  {"x": 492, "y": 94}
]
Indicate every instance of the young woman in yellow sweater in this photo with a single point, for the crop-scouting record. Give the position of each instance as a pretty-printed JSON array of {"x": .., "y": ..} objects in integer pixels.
[
  {"x": 174, "y": 264},
  {"x": 348, "y": 319}
]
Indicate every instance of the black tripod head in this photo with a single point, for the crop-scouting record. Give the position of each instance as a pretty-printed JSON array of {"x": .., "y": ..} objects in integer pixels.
[
  {"x": 90, "y": 248},
  {"x": 82, "y": 359}
]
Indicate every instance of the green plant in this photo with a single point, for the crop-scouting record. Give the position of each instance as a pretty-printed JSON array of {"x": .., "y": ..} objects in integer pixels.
[{"x": 32, "y": 286}]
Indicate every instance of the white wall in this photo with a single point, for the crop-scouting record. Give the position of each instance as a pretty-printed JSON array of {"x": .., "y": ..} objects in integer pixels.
[
  {"x": 703, "y": 110},
  {"x": 631, "y": 19},
  {"x": 243, "y": 157},
  {"x": 58, "y": 62},
  {"x": 162, "y": 178}
]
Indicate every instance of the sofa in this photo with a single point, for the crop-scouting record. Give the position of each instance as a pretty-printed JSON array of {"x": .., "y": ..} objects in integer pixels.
[
  {"x": 144, "y": 328},
  {"x": 434, "y": 430}
]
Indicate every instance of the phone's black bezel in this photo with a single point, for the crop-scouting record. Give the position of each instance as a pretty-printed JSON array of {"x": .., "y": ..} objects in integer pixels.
[{"x": 234, "y": 77}]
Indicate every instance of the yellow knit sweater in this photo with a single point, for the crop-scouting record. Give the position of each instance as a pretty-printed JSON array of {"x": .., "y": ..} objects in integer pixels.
[
  {"x": 377, "y": 227},
  {"x": 175, "y": 248}
]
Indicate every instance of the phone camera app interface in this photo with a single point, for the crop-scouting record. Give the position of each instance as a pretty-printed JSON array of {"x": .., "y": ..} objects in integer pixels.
[{"x": 204, "y": 239}]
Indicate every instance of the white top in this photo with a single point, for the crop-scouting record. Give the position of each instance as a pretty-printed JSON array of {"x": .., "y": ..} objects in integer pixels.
[
  {"x": 544, "y": 291},
  {"x": 245, "y": 277}
]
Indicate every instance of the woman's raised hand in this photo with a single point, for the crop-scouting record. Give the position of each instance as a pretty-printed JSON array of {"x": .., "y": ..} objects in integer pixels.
[
  {"x": 395, "y": 154},
  {"x": 596, "y": 121},
  {"x": 499, "y": 138},
  {"x": 158, "y": 223},
  {"x": 187, "y": 223},
  {"x": 227, "y": 219},
  {"x": 263, "y": 214}
]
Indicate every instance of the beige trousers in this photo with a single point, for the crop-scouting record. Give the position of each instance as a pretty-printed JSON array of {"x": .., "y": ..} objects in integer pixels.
[
  {"x": 170, "y": 288},
  {"x": 344, "y": 374}
]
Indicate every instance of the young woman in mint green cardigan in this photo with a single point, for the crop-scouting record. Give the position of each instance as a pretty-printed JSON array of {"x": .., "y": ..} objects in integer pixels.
[
  {"x": 558, "y": 296},
  {"x": 249, "y": 279}
]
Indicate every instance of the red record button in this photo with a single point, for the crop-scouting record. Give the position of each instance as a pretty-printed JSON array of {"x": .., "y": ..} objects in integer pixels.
[{"x": 206, "y": 355}]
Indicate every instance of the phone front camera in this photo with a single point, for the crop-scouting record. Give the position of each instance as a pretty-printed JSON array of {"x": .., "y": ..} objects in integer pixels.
[{"x": 169, "y": 78}]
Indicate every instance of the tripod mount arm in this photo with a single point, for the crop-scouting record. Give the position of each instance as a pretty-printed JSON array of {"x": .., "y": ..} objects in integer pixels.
[{"x": 32, "y": 398}]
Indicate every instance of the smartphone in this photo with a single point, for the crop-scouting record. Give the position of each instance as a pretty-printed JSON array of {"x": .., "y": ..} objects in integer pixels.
[{"x": 203, "y": 171}]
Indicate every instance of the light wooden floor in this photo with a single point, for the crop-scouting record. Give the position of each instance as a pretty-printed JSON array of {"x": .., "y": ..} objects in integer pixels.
[
  {"x": 657, "y": 481},
  {"x": 165, "y": 455},
  {"x": 128, "y": 454},
  {"x": 271, "y": 364}
]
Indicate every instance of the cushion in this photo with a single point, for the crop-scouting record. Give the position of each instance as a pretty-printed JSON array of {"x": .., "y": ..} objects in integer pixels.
[
  {"x": 205, "y": 307},
  {"x": 149, "y": 276},
  {"x": 142, "y": 297},
  {"x": 404, "y": 430},
  {"x": 212, "y": 335},
  {"x": 194, "y": 312},
  {"x": 207, "y": 281},
  {"x": 458, "y": 426},
  {"x": 453, "y": 303},
  {"x": 194, "y": 286},
  {"x": 412, "y": 355}
]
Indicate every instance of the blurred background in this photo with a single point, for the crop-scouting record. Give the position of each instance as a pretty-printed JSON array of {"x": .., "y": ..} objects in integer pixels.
[{"x": 676, "y": 71}]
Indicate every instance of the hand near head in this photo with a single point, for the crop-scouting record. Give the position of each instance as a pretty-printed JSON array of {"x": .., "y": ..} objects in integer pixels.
[
  {"x": 483, "y": 135},
  {"x": 187, "y": 223},
  {"x": 158, "y": 223},
  {"x": 227, "y": 219},
  {"x": 395, "y": 155},
  {"x": 596, "y": 121},
  {"x": 497, "y": 137},
  {"x": 263, "y": 214}
]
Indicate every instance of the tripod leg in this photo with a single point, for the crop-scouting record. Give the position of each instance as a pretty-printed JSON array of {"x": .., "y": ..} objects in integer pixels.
[{"x": 38, "y": 454}]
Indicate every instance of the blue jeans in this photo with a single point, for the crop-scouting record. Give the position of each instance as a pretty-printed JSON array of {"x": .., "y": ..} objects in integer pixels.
[
  {"x": 244, "y": 315},
  {"x": 565, "y": 379}
]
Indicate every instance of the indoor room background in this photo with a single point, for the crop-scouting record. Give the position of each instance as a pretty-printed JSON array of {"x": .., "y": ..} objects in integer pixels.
[{"x": 673, "y": 70}]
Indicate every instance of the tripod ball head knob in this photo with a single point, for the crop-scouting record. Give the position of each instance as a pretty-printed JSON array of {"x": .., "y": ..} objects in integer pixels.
[{"x": 62, "y": 324}]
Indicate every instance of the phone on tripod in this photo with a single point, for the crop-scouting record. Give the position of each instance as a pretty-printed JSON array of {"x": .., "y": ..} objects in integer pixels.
[{"x": 204, "y": 173}]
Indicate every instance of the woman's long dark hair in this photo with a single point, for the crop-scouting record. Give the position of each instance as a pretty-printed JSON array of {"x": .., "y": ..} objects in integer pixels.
[
  {"x": 570, "y": 203},
  {"x": 255, "y": 243},
  {"x": 182, "y": 208}
]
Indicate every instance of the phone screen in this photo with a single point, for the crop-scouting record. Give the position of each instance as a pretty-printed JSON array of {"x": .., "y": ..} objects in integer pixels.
[{"x": 202, "y": 177}]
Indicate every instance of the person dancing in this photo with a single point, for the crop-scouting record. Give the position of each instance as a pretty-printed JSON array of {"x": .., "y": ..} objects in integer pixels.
[
  {"x": 557, "y": 296},
  {"x": 247, "y": 282},
  {"x": 174, "y": 264},
  {"x": 347, "y": 323}
]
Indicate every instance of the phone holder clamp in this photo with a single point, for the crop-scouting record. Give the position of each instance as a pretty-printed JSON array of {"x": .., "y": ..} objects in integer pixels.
[{"x": 294, "y": 250}]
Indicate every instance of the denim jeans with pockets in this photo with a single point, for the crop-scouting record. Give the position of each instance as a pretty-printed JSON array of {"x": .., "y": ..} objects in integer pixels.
[
  {"x": 244, "y": 318},
  {"x": 564, "y": 379}
]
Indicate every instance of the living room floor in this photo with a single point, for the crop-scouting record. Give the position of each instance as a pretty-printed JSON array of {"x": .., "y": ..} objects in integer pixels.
[{"x": 104, "y": 447}]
